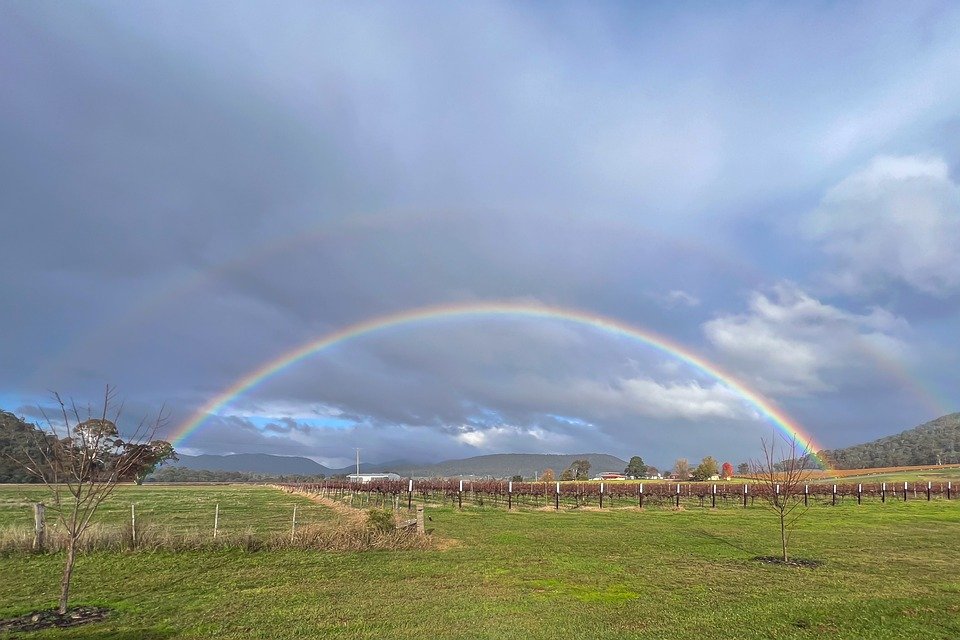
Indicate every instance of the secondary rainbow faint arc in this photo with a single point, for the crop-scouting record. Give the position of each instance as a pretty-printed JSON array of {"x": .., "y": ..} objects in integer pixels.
[{"x": 489, "y": 309}]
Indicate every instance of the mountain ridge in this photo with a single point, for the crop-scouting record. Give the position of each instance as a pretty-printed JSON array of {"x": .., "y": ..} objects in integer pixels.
[{"x": 498, "y": 465}]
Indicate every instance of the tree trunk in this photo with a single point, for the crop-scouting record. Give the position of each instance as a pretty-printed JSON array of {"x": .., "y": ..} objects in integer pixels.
[
  {"x": 783, "y": 536},
  {"x": 67, "y": 574}
]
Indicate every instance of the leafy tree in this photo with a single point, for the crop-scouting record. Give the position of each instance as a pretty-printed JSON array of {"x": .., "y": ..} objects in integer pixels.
[
  {"x": 636, "y": 467},
  {"x": 682, "y": 468},
  {"x": 727, "y": 471},
  {"x": 17, "y": 436},
  {"x": 581, "y": 469},
  {"x": 80, "y": 462},
  {"x": 652, "y": 471},
  {"x": 517, "y": 478},
  {"x": 706, "y": 469},
  {"x": 567, "y": 475},
  {"x": 548, "y": 475},
  {"x": 743, "y": 469}
]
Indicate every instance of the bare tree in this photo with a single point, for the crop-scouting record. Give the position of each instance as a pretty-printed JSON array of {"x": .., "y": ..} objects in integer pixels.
[
  {"x": 81, "y": 462},
  {"x": 781, "y": 476}
]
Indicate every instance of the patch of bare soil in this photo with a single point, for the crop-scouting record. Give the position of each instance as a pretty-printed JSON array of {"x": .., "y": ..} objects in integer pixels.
[
  {"x": 51, "y": 619},
  {"x": 792, "y": 562}
]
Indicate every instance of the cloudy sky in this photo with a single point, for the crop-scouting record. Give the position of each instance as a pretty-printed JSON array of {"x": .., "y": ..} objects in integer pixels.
[{"x": 189, "y": 190}]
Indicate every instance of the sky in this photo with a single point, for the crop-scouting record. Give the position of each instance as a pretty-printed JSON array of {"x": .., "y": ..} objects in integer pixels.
[{"x": 189, "y": 191}]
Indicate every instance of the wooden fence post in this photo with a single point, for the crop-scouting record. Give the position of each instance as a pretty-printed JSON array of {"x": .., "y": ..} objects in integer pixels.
[
  {"x": 39, "y": 526},
  {"x": 420, "y": 525},
  {"x": 216, "y": 520},
  {"x": 133, "y": 523},
  {"x": 293, "y": 527}
]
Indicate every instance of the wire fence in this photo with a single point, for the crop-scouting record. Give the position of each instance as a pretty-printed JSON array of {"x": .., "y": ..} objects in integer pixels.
[{"x": 510, "y": 495}]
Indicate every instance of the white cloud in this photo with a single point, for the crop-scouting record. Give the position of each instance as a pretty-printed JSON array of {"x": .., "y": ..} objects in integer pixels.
[
  {"x": 792, "y": 344},
  {"x": 678, "y": 298},
  {"x": 896, "y": 220},
  {"x": 649, "y": 398}
]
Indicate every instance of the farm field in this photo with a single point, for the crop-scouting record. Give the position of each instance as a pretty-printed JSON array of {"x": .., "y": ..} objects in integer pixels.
[{"x": 889, "y": 571}]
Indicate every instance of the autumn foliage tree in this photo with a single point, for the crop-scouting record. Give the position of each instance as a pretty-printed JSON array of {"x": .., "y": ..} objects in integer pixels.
[{"x": 727, "y": 471}]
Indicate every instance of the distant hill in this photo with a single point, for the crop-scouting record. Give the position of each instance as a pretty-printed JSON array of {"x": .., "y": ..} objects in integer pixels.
[
  {"x": 501, "y": 465},
  {"x": 261, "y": 463},
  {"x": 504, "y": 465},
  {"x": 937, "y": 441}
]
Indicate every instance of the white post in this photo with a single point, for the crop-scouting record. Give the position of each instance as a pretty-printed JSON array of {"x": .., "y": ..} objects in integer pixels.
[
  {"x": 461, "y": 486},
  {"x": 778, "y": 489},
  {"x": 510, "y": 487},
  {"x": 714, "y": 489},
  {"x": 293, "y": 529},
  {"x": 216, "y": 520},
  {"x": 410, "y": 487},
  {"x": 133, "y": 523},
  {"x": 558, "y": 488},
  {"x": 601, "y": 487},
  {"x": 641, "y": 487}
]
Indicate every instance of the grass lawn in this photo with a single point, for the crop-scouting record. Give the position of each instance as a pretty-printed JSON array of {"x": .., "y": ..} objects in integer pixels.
[{"x": 891, "y": 571}]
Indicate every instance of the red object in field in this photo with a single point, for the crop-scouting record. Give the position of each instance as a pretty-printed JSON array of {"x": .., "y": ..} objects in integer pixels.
[{"x": 727, "y": 471}]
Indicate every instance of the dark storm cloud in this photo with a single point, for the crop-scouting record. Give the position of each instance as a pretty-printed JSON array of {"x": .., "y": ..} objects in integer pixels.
[{"x": 187, "y": 193}]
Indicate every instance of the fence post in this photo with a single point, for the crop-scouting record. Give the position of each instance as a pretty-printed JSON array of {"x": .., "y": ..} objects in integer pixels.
[
  {"x": 883, "y": 492},
  {"x": 744, "y": 495},
  {"x": 420, "y": 526},
  {"x": 410, "y": 495},
  {"x": 806, "y": 495},
  {"x": 460, "y": 496},
  {"x": 293, "y": 527},
  {"x": 510, "y": 495},
  {"x": 133, "y": 523},
  {"x": 713, "y": 501},
  {"x": 928, "y": 491},
  {"x": 601, "y": 495},
  {"x": 216, "y": 520},
  {"x": 39, "y": 526},
  {"x": 949, "y": 487},
  {"x": 557, "y": 498},
  {"x": 834, "y": 495},
  {"x": 678, "y": 495},
  {"x": 640, "y": 495},
  {"x": 859, "y": 493},
  {"x": 904, "y": 491}
]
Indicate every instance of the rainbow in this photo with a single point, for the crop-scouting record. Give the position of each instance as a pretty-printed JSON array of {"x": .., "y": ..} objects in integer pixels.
[{"x": 781, "y": 420}]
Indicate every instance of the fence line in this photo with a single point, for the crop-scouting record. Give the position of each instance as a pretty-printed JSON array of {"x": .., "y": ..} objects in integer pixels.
[{"x": 508, "y": 494}]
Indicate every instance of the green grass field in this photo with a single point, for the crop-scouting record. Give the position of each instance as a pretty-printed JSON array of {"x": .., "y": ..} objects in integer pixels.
[{"x": 890, "y": 571}]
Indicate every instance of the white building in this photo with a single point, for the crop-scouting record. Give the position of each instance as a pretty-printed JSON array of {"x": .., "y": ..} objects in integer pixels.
[{"x": 370, "y": 477}]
